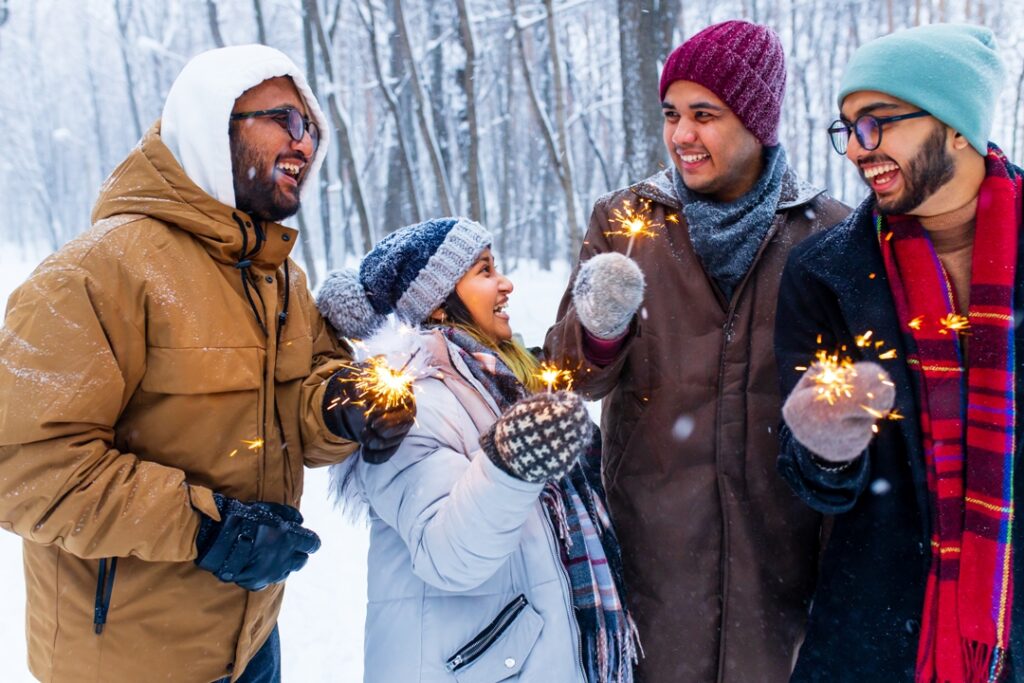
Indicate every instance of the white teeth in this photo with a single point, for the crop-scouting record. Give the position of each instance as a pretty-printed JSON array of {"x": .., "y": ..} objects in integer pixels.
[
  {"x": 290, "y": 169},
  {"x": 874, "y": 171},
  {"x": 692, "y": 158}
]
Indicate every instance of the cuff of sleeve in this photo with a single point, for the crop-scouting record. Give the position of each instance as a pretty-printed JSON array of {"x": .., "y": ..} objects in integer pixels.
[
  {"x": 504, "y": 479},
  {"x": 602, "y": 352},
  {"x": 202, "y": 500}
]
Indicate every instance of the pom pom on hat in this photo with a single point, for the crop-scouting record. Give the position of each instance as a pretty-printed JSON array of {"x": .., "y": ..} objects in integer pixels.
[{"x": 343, "y": 302}]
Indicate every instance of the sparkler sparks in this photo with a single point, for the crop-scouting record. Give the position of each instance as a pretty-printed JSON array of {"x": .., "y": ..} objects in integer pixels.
[
  {"x": 952, "y": 322},
  {"x": 553, "y": 376},
  {"x": 634, "y": 223},
  {"x": 833, "y": 376},
  {"x": 381, "y": 386},
  {"x": 251, "y": 444}
]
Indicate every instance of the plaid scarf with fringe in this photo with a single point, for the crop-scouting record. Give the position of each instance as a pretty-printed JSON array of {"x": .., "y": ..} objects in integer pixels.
[
  {"x": 588, "y": 547},
  {"x": 968, "y": 426}
]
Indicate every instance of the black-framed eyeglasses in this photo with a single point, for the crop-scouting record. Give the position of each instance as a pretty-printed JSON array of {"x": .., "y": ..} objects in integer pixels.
[
  {"x": 289, "y": 118},
  {"x": 867, "y": 128}
]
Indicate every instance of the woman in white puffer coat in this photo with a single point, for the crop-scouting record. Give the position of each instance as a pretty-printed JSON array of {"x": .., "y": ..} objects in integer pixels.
[{"x": 491, "y": 555}]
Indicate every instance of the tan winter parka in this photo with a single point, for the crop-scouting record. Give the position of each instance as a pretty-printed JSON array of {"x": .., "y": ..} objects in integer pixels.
[
  {"x": 720, "y": 557},
  {"x": 134, "y": 382}
]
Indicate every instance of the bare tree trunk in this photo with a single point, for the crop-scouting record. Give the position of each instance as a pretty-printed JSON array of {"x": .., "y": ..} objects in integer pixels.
[
  {"x": 211, "y": 14},
  {"x": 645, "y": 36},
  {"x": 574, "y": 240},
  {"x": 444, "y": 193},
  {"x": 395, "y": 218},
  {"x": 123, "y": 14},
  {"x": 324, "y": 179},
  {"x": 476, "y": 201},
  {"x": 261, "y": 28},
  {"x": 1016, "y": 118},
  {"x": 345, "y": 156}
]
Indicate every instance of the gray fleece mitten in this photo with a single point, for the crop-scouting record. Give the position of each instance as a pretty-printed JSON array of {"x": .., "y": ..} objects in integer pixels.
[
  {"x": 607, "y": 293},
  {"x": 540, "y": 437},
  {"x": 840, "y": 431}
]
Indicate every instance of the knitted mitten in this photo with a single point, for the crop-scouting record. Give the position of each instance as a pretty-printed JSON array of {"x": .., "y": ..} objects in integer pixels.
[
  {"x": 607, "y": 293},
  {"x": 539, "y": 437},
  {"x": 840, "y": 431}
]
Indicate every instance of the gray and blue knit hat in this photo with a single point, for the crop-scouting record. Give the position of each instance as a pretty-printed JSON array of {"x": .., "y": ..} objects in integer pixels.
[{"x": 410, "y": 273}]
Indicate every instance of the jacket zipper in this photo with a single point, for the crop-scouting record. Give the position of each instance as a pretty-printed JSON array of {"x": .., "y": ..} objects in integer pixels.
[
  {"x": 727, "y": 332},
  {"x": 472, "y": 650},
  {"x": 104, "y": 591}
]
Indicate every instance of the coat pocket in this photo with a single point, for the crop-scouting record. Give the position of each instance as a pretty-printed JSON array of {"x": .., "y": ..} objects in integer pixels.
[
  {"x": 201, "y": 371},
  {"x": 499, "y": 651}
]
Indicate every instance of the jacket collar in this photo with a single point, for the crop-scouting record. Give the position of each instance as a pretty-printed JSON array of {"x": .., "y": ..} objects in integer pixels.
[
  {"x": 151, "y": 182},
  {"x": 659, "y": 188}
]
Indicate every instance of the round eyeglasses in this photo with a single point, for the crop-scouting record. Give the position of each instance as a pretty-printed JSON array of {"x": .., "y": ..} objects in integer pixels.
[
  {"x": 289, "y": 118},
  {"x": 867, "y": 128}
]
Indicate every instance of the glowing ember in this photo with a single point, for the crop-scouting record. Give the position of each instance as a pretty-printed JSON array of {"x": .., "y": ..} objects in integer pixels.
[
  {"x": 954, "y": 323},
  {"x": 254, "y": 444},
  {"x": 554, "y": 377}
]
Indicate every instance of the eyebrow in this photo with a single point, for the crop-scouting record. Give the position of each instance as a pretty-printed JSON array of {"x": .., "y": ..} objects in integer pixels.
[
  {"x": 695, "y": 105},
  {"x": 875, "y": 106}
]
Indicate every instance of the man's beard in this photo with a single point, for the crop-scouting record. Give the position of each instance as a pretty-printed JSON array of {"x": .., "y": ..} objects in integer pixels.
[
  {"x": 923, "y": 175},
  {"x": 256, "y": 193}
]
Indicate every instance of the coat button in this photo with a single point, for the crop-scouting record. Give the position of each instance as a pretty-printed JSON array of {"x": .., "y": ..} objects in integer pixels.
[
  {"x": 912, "y": 625},
  {"x": 269, "y": 279},
  {"x": 509, "y": 663},
  {"x": 286, "y": 238}
]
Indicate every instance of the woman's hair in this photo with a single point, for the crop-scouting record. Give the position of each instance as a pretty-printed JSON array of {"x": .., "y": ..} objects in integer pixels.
[{"x": 520, "y": 361}]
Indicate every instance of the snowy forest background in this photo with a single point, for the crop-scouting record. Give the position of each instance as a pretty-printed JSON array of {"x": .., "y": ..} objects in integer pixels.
[{"x": 516, "y": 112}]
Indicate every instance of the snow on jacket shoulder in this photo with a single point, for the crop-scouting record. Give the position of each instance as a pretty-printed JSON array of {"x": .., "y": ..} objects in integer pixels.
[
  {"x": 135, "y": 381},
  {"x": 453, "y": 541}
]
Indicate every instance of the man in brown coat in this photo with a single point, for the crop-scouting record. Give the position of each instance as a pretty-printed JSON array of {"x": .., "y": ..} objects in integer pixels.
[
  {"x": 720, "y": 557},
  {"x": 163, "y": 382}
]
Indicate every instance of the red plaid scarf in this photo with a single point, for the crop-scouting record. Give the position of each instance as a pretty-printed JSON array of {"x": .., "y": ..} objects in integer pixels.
[{"x": 967, "y": 428}]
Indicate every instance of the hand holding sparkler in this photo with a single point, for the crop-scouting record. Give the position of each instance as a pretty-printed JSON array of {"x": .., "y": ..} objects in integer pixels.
[
  {"x": 539, "y": 437},
  {"x": 608, "y": 291},
  {"x": 833, "y": 408},
  {"x": 372, "y": 403}
]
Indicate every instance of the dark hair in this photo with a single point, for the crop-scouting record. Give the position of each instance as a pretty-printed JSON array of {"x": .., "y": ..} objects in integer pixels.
[{"x": 456, "y": 310}]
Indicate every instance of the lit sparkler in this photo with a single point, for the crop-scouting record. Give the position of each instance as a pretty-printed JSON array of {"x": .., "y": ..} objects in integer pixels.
[
  {"x": 833, "y": 375},
  {"x": 382, "y": 387},
  {"x": 553, "y": 376},
  {"x": 634, "y": 223}
]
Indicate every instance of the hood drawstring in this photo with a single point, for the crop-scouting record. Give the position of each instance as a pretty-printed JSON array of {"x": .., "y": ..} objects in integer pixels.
[{"x": 245, "y": 262}]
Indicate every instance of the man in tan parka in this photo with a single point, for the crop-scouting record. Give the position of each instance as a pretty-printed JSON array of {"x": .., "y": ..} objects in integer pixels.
[{"x": 158, "y": 371}]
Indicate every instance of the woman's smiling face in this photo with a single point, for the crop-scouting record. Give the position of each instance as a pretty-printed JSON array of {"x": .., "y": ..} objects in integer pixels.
[{"x": 485, "y": 292}]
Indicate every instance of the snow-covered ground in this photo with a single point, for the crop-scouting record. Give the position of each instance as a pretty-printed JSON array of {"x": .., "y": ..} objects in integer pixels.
[{"x": 322, "y": 619}]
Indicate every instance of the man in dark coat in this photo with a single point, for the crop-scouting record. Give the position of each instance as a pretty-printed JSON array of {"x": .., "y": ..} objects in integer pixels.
[
  {"x": 904, "y": 426},
  {"x": 720, "y": 558}
]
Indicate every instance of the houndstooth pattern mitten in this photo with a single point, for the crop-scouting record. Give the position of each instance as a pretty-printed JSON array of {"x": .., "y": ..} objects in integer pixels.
[{"x": 540, "y": 437}]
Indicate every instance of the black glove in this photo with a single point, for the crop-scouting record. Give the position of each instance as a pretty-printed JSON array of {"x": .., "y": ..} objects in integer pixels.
[
  {"x": 378, "y": 431},
  {"x": 540, "y": 437},
  {"x": 254, "y": 544}
]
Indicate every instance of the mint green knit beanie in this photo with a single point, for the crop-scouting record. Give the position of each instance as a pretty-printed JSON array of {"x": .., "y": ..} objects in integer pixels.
[{"x": 952, "y": 71}]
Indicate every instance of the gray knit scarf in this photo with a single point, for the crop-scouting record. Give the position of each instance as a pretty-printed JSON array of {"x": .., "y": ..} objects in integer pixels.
[{"x": 727, "y": 236}]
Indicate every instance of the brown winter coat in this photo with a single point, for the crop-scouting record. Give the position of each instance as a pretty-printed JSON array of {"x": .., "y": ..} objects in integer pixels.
[
  {"x": 133, "y": 372},
  {"x": 720, "y": 557}
]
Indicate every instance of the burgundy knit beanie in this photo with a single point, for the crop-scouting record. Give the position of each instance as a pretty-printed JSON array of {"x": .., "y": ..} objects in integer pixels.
[{"x": 744, "y": 65}]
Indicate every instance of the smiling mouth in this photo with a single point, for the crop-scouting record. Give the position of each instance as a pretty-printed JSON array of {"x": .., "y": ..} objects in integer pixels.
[
  {"x": 292, "y": 169},
  {"x": 880, "y": 175},
  {"x": 500, "y": 309}
]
